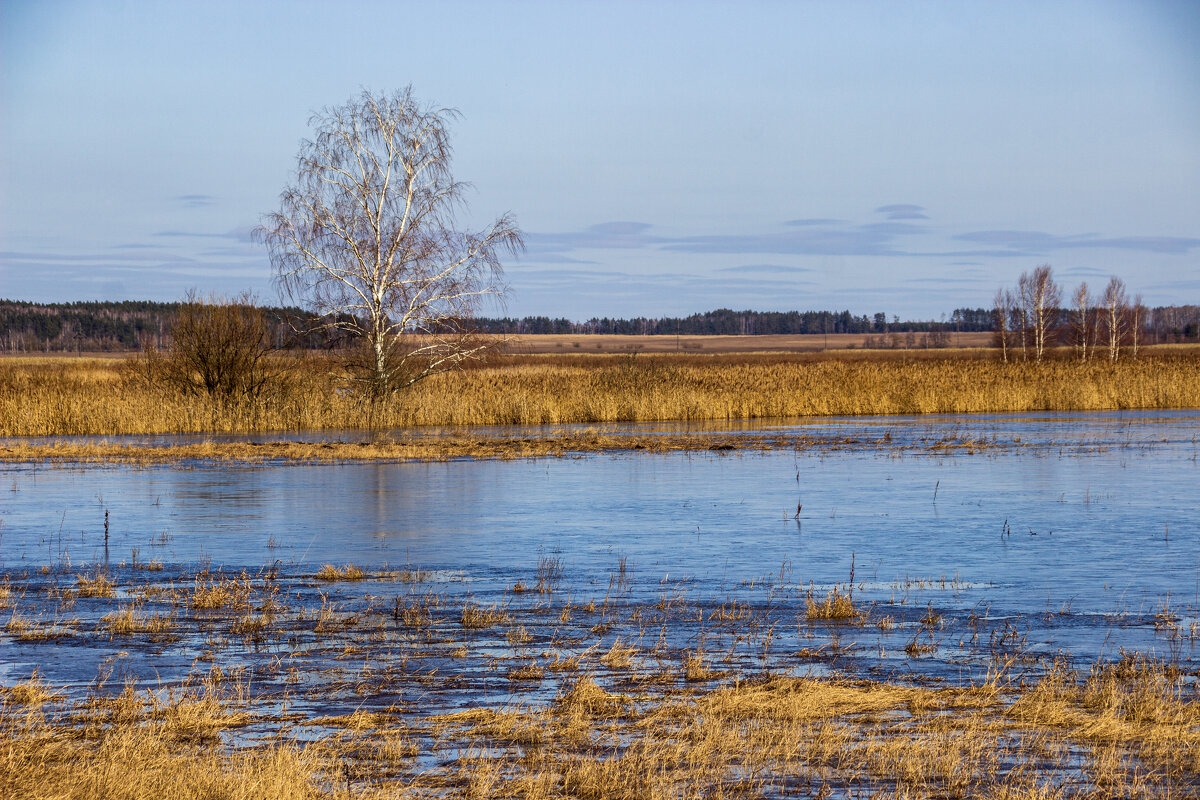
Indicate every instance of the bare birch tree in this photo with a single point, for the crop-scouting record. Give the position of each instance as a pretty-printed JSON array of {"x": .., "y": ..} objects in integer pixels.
[
  {"x": 1115, "y": 314},
  {"x": 1082, "y": 319},
  {"x": 1137, "y": 318},
  {"x": 1040, "y": 298},
  {"x": 1022, "y": 313},
  {"x": 366, "y": 237},
  {"x": 1002, "y": 305}
]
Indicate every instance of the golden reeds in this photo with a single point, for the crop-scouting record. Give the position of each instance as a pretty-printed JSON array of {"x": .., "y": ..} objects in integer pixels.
[{"x": 51, "y": 397}]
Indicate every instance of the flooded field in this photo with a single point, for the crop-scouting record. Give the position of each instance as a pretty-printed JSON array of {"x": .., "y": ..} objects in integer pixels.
[{"x": 415, "y": 591}]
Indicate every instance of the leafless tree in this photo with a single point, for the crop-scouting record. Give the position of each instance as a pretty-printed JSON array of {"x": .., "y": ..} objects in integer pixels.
[
  {"x": 1040, "y": 297},
  {"x": 219, "y": 347},
  {"x": 366, "y": 237},
  {"x": 1083, "y": 320},
  {"x": 1021, "y": 313},
  {"x": 1002, "y": 310},
  {"x": 1115, "y": 316},
  {"x": 1137, "y": 318}
]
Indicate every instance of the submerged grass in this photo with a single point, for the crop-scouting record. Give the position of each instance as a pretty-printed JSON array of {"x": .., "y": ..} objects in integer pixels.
[
  {"x": 51, "y": 397},
  {"x": 1127, "y": 730},
  {"x": 606, "y": 715}
]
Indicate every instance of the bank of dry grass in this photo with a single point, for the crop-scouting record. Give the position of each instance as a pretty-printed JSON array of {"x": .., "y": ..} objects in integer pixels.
[
  {"x": 51, "y": 397},
  {"x": 444, "y": 447},
  {"x": 1130, "y": 729}
]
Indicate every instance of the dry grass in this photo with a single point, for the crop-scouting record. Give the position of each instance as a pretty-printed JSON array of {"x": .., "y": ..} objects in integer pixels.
[
  {"x": 836, "y": 606},
  {"x": 347, "y": 573},
  {"x": 210, "y": 592},
  {"x": 450, "y": 446},
  {"x": 477, "y": 616},
  {"x": 127, "y": 622},
  {"x": 49, "y": 397},
  {"x": 31, "y": 693},
  {"x": 97, "y": 585},
  {"x": 628, "y": 719},
  {"x": 1131, "y": 729},
  {"x": 131, "y": 763}
]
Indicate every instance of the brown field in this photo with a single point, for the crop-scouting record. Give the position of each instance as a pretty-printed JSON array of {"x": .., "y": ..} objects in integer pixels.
[
  {"x": 599, "y": 343},
  {"x": 75, "y": 396},
  {"x": 793, "y": 343}
]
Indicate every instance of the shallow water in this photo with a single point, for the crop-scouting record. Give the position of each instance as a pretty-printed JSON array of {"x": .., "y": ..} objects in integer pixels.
[{"x": 1074, "y": 534}]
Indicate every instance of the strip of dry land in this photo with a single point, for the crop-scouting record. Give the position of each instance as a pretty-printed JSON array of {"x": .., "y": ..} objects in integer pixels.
[{"x": 450, "y": 447}]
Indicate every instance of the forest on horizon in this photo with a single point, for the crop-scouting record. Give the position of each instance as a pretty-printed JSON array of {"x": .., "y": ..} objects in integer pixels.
[{"x": 115, "y": 326}]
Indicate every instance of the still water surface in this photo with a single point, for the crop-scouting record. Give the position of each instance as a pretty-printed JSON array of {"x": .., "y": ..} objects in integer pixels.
[{"x": 1082, "y": 527}]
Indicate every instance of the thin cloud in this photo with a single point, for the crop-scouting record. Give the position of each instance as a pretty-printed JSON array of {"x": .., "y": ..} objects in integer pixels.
[
  {"x": 863, "y": 241},
  {"x": 194, "y": 200},
  {"x": 778, "y": 269},
  {"x": 1089, "y": 272},
  {"x": 82, "y": 258},
  {"x": 1036, "y": 242},
  {"x": 551, "y": 257},
  {"x": 604, "y": 236},
  {"x": 815, "y": 221},
  {"x": 237, "y": 235},
  {"x": 902, "y": 211},
  {"x": 944, "y": 281}
]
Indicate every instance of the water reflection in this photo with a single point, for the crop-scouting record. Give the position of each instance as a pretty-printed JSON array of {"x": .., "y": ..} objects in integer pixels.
[{"x": 1026, "y": 531}]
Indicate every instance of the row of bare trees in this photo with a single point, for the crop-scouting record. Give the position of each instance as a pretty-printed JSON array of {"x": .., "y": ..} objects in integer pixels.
[{"x": 1032, "y": 319}]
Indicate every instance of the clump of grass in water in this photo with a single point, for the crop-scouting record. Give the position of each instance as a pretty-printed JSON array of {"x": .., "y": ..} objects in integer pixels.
[
  {"x": 98, "y": 585},
  {"x": 411, "y": 574},
  {"x": 476, "y": 616},
  {"x": 619, "y": 656},
  {"x": 413, "y": 612},
  {"x": 837, "y": 606},
  {"x": 528, "y": 672},
  {"x": 695, "y": 670},
  {"x": 32, "y": 693},
  {"x": 126, "y": 622},
  {"x": 549, "y": 573},
  {"x": 211, "y": 592},
  {"x": 347, "y": 573},
  {"x": 518, "y": 635}
]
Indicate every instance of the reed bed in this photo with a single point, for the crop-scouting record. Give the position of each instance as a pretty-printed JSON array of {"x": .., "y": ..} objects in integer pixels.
[{"x": 60, "y": 397}]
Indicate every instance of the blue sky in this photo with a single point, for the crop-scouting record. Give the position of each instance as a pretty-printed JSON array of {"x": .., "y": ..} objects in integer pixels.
[{"x": 663, "y": 158}]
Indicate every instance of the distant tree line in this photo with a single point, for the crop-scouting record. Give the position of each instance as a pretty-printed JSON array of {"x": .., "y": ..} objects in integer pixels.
[
  {"x": 726, "y": 322},
  {"x": 132, "y": 325},
  {"x": 129, "y": 325}
]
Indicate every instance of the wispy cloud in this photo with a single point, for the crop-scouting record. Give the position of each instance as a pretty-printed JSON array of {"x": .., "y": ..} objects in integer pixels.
[
  {"x": 237, "y": 235},
  {"x": 903, "y": 211},
  {"x": 604, "y": 236},
  {"x": 85, "y": 258},
  {"x": 945, "y": 280},
  {"x": 860, "y": 240},
  {"x": 798, "y": 223},
  {"x": 1085, "y": 272},
  {"x": 777, "y": 269},
  {"x": 1037, "y": 242},
  {"x": 194, "y": 200}
]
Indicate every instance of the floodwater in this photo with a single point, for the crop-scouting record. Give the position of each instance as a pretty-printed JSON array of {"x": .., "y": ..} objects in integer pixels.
[{"x": 1073, "y": 535}]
